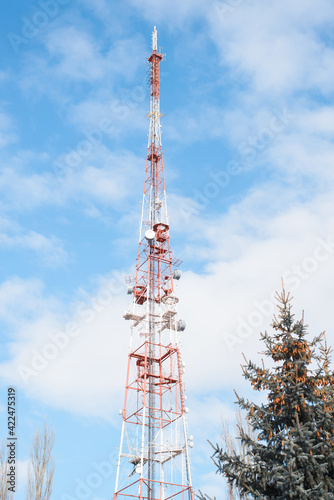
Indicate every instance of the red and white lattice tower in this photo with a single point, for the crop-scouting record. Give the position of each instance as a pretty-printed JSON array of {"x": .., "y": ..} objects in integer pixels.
[{"x": 153, "y": 460}]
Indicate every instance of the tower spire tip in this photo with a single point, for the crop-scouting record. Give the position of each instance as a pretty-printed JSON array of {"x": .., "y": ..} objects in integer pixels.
[{"x": 155, "y": 39}]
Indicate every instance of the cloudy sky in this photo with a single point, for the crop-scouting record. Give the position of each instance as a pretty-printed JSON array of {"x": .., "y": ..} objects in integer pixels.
[{"x": 247, "y": 93}]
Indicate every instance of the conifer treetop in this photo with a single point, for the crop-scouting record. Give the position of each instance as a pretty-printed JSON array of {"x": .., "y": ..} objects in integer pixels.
[{"x": 292, "y": 454}]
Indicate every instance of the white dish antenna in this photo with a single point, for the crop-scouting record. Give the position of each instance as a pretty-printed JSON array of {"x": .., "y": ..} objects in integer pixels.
[{"x": 150, "y": 235}]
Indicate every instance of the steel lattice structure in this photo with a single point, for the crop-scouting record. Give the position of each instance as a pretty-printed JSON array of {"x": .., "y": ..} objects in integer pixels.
[{"x": 153, "y": 460}]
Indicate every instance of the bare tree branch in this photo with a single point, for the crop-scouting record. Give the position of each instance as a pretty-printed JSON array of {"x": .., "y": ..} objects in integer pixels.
[
  {"x": 4, "y": 493},
  {"x": 41, "y": 465},
  {"x": 232, "y": 444}
]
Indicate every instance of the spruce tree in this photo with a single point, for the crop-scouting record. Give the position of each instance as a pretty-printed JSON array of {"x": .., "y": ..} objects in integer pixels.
[{"x": 292, "y": 456}]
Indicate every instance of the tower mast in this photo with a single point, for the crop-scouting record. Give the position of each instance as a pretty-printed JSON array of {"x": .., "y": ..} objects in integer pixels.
[{"x": 153, "y": 460}]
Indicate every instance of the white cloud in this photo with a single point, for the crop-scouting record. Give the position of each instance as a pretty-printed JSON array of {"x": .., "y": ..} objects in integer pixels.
[
  {"x": 22, "y": 473},
  {"x": 303, "y": 150},
  {"x": 319, "y": 121},
  {"x": 105, "y": 177},
  {"x": 29, "y": 295},
  {"x": 67, "y": 364},
  {"x": 18, "y": 178},
  {"x": 205, "y": 420},
  {"x": 277, "y": 45},
  {"x": 273, "y": 231},
  {"x": 249, "y": 250},
  {"x": 123, "y": 115},
  {"x": 300, "y": 159},
  {"x": 110, "y": 15},
  {"x": 74, "y": 56},
  {"x": 225, "y": 307},
  {"x": 80, "y": 176},
  {"x": 211, "y": 484},
  {"x": 203, "y": 122},
  {"x": 49, "y": 249}
]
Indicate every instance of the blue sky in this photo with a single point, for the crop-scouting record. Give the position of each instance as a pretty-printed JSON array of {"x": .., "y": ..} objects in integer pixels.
[{"x": 247, "y": 92}]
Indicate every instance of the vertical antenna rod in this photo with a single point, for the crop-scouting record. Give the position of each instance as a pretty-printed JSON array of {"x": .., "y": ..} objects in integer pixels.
[
  {"x": 154, "y": 462},
  {"x": 155, "y": 39}
]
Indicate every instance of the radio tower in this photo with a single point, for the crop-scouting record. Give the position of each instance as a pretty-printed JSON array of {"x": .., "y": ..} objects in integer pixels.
[{"x": 153, "y": 460}]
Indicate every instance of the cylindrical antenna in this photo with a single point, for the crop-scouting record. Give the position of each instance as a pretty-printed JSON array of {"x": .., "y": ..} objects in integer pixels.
[{"x": 155, "y": 39}]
